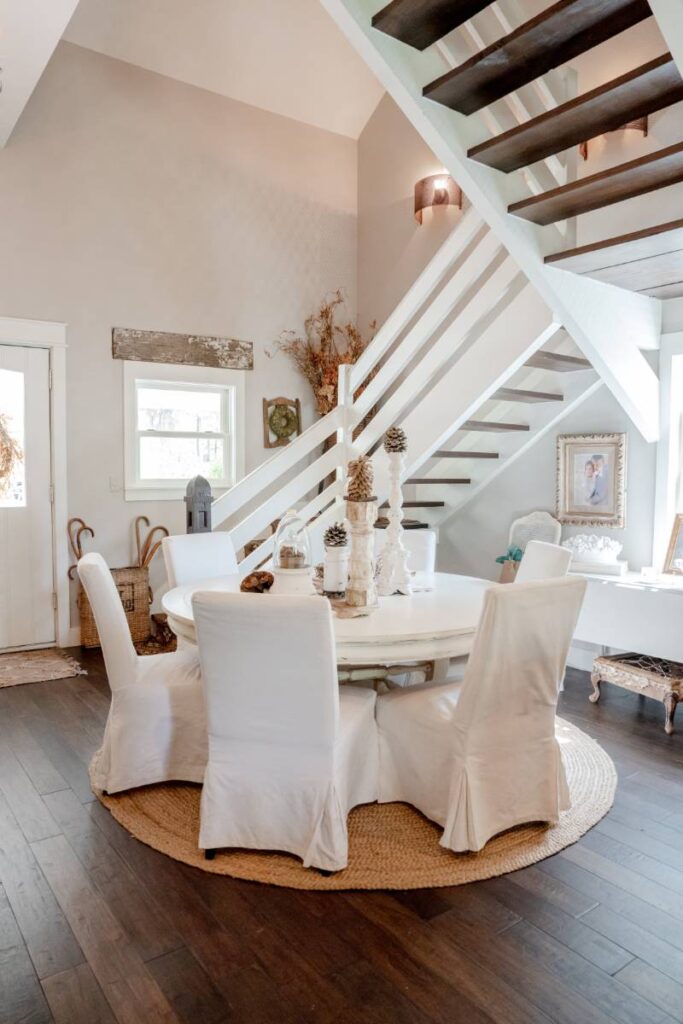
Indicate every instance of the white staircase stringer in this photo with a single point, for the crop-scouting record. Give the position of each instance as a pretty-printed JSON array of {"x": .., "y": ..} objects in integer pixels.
[
  {"x": 610, "y": 325},
  {"x": 503, "y": 347},
  {"x": 457, "y": 504},
  {"x": 669, "y": 17}
]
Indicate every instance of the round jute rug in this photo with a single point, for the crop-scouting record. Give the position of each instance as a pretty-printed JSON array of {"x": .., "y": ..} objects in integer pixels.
[{"x": 391, "y": 846}]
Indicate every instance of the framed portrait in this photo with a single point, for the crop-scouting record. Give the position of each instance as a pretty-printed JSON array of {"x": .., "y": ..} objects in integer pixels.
[
  {"x": 674, "y": 556},
  {"x": 591, "y": 479}
]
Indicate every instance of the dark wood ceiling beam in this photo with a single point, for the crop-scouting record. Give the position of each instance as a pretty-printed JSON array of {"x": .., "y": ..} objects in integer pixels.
[
  {"x": 651, "y": 87},
  {"x": 420, "y": 23},
  {"x": 626, "y": 181},
  {"x": 555, "y": 36}
]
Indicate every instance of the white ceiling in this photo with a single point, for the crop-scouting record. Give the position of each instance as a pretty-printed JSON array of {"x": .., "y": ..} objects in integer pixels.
[
  {"x": 286, "y": 56},
  {"x": 29, "y": 32}
]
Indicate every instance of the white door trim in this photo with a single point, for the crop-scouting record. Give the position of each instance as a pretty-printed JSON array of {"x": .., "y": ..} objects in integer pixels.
[{"x": 52, "y": 336}]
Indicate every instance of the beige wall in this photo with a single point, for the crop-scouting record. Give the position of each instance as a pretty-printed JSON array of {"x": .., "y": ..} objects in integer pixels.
[
  {"x": 130, "y": 199},
  {"x": 392, "y": 247}
]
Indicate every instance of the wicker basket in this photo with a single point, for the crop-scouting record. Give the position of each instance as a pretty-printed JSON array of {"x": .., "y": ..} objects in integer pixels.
[{"x": 132, "y": 584}]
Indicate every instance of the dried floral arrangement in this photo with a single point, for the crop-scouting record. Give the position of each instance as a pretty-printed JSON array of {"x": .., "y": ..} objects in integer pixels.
[
  {"x": 325, "y": 346},
  {"x": 395, "y": 440},
  {"x": 361, "y": 479},
  {"x": 11, "y": 454},
  {"x": 336, "y": 536}
]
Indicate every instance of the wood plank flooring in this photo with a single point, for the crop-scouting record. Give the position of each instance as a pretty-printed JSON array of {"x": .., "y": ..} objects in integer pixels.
[{"x": 96, "y": 928}]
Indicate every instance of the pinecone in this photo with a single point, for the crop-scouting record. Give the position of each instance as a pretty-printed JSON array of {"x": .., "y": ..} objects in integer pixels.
[
  {"x": 361, "y": 479},
  {"x": 395, "y": 440},
  {"x": 336, "y": 536}
]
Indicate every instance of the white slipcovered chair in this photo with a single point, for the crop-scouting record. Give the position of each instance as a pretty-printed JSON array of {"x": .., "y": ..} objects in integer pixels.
[
  {"x": 542, "y": 561},
  {"x": 156, "y": 729},
  {"x": 289, "y": 755},
  {"x": 480, "y": 756},
  {"x": 420, "y": 545},
  {"x": 191, "y": 557}
]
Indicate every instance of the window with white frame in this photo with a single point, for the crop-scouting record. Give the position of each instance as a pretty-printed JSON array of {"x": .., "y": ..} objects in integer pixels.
[{"x": 181, "y": 421}]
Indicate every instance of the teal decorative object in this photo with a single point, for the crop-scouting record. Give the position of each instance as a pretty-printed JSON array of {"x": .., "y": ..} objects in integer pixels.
[{"x": 513, "y": 554}]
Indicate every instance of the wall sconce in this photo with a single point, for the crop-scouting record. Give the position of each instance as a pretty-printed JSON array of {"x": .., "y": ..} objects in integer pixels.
[
  {"x": 640, "y": 124},
  {"x": 436, "y": 190}
]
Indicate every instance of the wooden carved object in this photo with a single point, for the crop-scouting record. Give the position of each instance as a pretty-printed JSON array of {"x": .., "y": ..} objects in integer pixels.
[
  {"x": 394, "y": 577},
  {"x": 281, "y": 421}
]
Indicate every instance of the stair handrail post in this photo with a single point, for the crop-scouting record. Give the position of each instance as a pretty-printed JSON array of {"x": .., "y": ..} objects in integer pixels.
[{"x": 345, "y": 429}]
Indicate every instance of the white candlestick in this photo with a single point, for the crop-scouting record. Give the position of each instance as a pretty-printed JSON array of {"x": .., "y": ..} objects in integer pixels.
[{"x": 394, "y": 577}]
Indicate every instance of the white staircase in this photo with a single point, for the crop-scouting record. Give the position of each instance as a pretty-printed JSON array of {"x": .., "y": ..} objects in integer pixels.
[{"x": 485, "y": 315}]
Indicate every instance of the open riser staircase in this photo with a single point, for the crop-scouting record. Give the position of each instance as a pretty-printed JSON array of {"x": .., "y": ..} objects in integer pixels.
[{"x": 471, "y": 360}]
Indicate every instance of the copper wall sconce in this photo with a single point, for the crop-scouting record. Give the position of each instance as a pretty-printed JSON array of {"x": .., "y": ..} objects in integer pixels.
[
  {"x": 436, "y": 190},
  {"x": 640, "y": 124}
]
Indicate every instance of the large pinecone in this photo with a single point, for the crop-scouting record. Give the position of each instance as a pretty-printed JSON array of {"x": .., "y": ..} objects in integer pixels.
[
  {"x": 336, "y": 536},
  {"x": 395, "y": 440},
  {"x": 362, "y": 479}
]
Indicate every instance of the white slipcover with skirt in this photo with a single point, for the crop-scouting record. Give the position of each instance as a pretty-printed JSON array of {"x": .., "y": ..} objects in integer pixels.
[
  {"x": 191, "y": 557},
  {"x": 480, "y": 755},
  {"x": 156, "y": 728},
  {"x": 289, "y": 755},
  {"x": 543, "y": 561}
]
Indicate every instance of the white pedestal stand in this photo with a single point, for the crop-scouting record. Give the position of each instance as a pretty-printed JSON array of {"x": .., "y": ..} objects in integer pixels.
[
  {"x": 361, "y": 594},
  {"x": 394, "y": 577}
]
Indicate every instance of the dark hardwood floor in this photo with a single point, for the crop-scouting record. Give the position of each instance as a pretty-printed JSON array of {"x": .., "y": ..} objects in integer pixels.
[{"x": 96, "y": 928}]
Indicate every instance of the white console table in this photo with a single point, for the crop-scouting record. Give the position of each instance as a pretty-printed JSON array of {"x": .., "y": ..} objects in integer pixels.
[{"x": 629, "y": 613}]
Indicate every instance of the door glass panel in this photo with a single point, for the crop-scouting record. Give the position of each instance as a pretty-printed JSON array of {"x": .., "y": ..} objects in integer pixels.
[{"x": 12, "y": 460}]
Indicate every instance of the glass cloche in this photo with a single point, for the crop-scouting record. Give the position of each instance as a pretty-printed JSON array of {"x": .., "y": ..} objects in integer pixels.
[{"x": 292, "y": 543}]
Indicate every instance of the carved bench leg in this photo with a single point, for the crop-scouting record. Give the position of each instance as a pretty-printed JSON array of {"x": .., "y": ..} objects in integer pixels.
[
  {"x": 595, "y": 695},
  {"x": 670, "y": 703}
]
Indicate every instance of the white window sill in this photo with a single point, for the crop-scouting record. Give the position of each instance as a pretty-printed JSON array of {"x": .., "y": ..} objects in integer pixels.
[{"x": 166, "y": 493}]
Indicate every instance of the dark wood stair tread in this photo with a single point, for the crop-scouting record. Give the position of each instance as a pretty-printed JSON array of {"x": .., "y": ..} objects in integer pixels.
[
  {"x": 407, "y": 524},
  {"x": 519, "y": 395},
  {"x": 553, "y": 37},
  {"x": 420, "y": 23},
  {"x": 437, "y": 480},
  {"x": 542, "y": 360},
  {"x": 490, "y": 426},
  {"x": 626, "y": 181},
  {"x": 651, "y": 87},
  {"x": 648, "y": 261},
  {"x": 418, "y": 504},
  {"x": 465, "y": 455}
]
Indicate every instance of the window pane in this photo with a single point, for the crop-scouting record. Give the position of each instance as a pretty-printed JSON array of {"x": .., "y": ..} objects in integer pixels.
[
  {"x": 176, "y": 409},
  {"x": 181, "y": 458},
  {"x": 12, "y": 484}
]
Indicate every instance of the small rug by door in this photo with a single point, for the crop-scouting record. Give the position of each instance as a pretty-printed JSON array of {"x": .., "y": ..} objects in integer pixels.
[
  {"x": 391, "y": 846},
  {"x": 37, "y": 667}
]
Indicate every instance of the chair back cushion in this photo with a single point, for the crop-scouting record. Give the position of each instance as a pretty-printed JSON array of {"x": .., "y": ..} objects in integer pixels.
[
  {"x": 517, "y": 663},
  {"x": 117, "y": 647},
  {"x": 268, "y": 671},
  {"x": 420, "y": 545},
  {"x": 543, "y": 561},
  {"x": 191, "y": 557}
]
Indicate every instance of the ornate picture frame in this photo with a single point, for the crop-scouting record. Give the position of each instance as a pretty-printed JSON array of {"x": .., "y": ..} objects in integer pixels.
[
  {"x": 674, "y": 553},
  {"x": 591, "y": 480}
]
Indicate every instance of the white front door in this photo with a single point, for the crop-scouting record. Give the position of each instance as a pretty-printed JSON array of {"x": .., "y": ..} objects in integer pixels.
[{"x": 27, "y": 617}]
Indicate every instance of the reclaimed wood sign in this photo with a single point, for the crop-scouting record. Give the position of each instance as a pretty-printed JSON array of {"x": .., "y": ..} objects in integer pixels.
[{"x": 182, "y": 349}]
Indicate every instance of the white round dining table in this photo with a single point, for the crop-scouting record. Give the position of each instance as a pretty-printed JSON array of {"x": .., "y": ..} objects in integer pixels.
[{"x": 426, "y": 625}]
